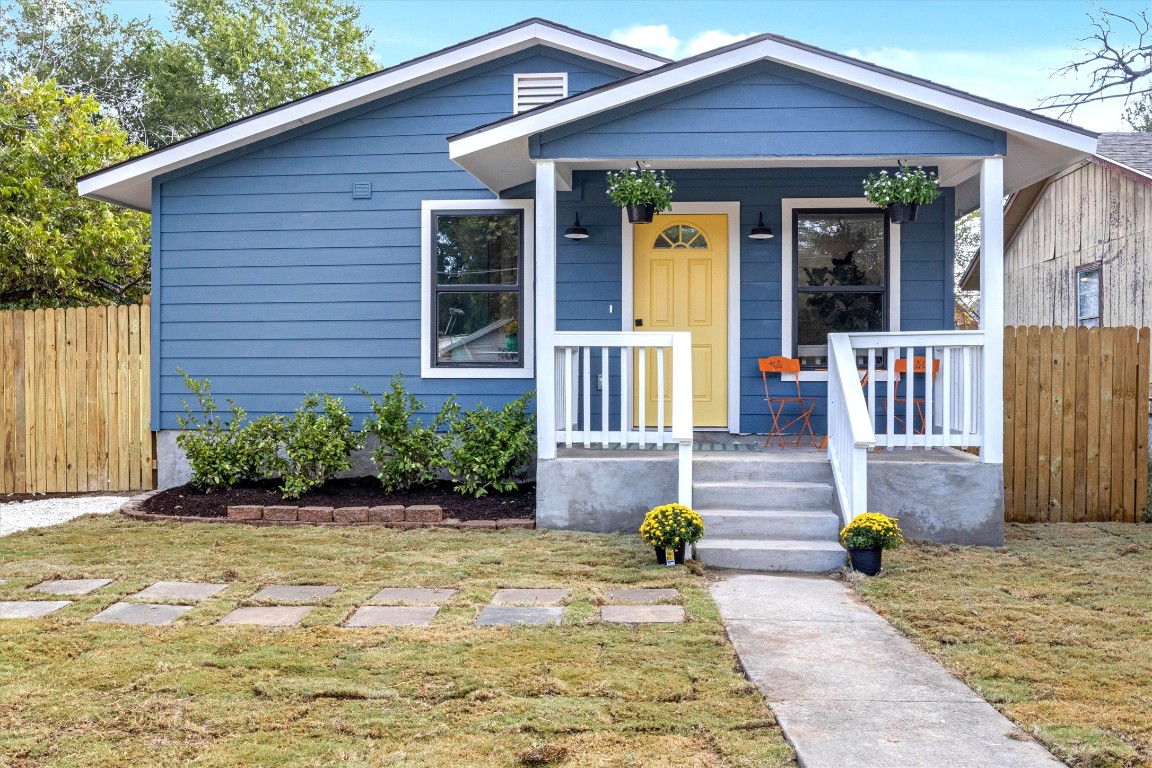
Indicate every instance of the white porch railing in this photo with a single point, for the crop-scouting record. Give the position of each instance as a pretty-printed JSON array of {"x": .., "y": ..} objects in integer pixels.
[
  {"x": 601, "y": 371},
  {"x": 936, "y": 403}
]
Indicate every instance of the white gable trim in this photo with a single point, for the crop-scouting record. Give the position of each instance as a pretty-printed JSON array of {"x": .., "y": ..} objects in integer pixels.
[
  {"x": 776, "y": 50},
  {"x": 130, "y": 183}
]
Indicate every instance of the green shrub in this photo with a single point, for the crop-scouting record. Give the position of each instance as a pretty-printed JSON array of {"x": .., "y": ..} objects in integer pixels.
[
  {"x": 222, "y": 453},
  {"x": 491, "y": 447},
  {"x": 318, "y": 441},
  {"x": 410, "y": 453}
]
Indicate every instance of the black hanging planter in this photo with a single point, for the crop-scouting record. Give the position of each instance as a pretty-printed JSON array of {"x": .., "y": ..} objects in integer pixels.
[
  {"x": 866, "y": 561},
  {"x": 662, "y": 555},
  {"x": 902, "y": 213},
  {"x": 641, "y": 213}
]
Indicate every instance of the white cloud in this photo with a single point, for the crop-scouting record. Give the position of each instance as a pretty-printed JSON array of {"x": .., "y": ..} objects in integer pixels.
[
  {"x": 651, "y": 37},
  {"x": 658, "y": 39},
  {"x": 1019, "y": 77}
]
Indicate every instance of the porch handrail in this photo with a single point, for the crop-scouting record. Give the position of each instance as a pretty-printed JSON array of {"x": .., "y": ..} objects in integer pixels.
[
  {"x": 618, "y": 375},
  {"x": 850, "y": 432},
  {"x": 935, "y": 401}
]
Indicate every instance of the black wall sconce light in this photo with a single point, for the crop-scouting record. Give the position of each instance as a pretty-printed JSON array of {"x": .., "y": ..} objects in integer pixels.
[
  {"x": 761, "y": 232},
  {"x": 576, "y": 232}
]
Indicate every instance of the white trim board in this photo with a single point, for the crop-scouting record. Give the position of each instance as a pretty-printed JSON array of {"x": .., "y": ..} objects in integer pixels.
[
  {"x": 130, "y": 183},
  {"x": 627, "y": 287},
  {"x": 788, "y": 280},
  {"x": 527, "y": 290}
]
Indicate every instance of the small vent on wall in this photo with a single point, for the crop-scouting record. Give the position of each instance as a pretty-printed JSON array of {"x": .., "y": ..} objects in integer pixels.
[
  {"x": 361, "y": 190},
  {"x": 535, "y": 90}
]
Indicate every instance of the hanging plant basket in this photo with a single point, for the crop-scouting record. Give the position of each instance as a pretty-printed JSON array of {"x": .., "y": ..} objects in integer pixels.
[
  {"x": 902, "y": 213},
  {"x": 640, "y": 213}
]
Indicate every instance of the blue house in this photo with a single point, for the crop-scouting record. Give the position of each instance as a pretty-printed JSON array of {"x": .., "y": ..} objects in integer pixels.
[{"x": 426, "y": 219}]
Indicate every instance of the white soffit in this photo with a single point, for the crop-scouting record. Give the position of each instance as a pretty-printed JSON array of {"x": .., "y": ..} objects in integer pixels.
[
  {"x": 491, "y": 153},
  {"x": 130, "y": 183}
]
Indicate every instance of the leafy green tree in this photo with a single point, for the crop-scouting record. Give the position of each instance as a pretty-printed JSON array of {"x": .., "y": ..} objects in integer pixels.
[
  {"x": 85, "y": 49},
  {"x": 56, "y": 248}
]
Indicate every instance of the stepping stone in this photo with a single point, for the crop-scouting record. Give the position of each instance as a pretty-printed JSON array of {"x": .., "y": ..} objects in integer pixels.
[
  {"x": 268, "y": 616},
  {"x": 642, "y": 614},
  {"x": 392, "y": 616},
  {"x": 294, "y": 594},
  {"x": 403, "y": 595},
  {"x": 501, "y": 616},
  {"x": 529, "y": 596},
  {"x": 70, "y": 586},
  {"x": 188, "y": 591},
  {"x": 30, "y": 609},
  {"x": 141, "y": 613},
  {"x": 640, "y": 595}
]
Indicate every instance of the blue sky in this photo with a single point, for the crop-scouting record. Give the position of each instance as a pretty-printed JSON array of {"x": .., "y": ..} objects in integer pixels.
[{"x": 1001, "y": 49}]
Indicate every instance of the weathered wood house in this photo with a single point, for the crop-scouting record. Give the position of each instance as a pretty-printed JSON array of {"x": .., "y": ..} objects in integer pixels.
[{"x": 1075, "y": 250}]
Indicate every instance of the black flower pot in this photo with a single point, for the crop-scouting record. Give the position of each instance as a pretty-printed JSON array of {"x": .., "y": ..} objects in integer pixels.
[
  {"x": 902, "y": 213},
  {"x": 662, "y": 555},
  {"x": 640, "y": 214},
  {"x": 866, "y": 561}
]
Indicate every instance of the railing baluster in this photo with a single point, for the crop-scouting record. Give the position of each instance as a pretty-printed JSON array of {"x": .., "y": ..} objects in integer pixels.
[
  {"x": 586, "y": 416},
  {"x": 642, "y": 394},
  {"x": 660, "y": 397},
  {"x": 966, "y": 385},
  {"x": 890, "y": 397},
  {"x": 909, "y": 396},
  {"x": 946, "y": 393},
  {"x": 625, "y": 353},
  {"x": 872, "y": 386},
  {"x": 567, "y": 397},
  {"x": 929, "y": 391},
  {"x": 605, "y": 385}
]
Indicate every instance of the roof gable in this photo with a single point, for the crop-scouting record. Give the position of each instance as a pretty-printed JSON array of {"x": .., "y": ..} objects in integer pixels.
[{"x": 130, "y": 183}]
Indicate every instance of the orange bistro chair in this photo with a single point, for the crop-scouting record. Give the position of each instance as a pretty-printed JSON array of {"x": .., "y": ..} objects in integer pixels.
[
  {"x": 777, "y": 405},
  {"x": 919, "y": 368}
]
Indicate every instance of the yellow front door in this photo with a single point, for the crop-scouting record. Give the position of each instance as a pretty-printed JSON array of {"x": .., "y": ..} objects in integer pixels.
[{"x": 680, "y": 283}]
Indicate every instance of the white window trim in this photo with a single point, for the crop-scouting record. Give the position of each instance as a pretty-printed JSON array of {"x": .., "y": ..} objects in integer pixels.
[
  {"x": 788, "y": 279},
  {"x": 520, "y": 77},
  {"x": 428, "y": 369},
  {"x": 627, "y": 313},
  {"x": 1098, "y": 268}
]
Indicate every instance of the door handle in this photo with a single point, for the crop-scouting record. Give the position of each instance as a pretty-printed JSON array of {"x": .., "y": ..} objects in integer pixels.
[{"x": 639, "y": 323}]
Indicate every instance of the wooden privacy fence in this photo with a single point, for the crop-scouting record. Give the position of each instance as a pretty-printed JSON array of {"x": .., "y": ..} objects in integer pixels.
[
  {"x": 74, "y": 400},
  {"x": 1075, "y": 424}
]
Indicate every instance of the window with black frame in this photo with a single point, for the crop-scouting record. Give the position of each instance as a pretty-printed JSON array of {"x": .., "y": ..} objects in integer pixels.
[
  {"x": 477, "y": 290},
  {"x": 841, "y": 268}
]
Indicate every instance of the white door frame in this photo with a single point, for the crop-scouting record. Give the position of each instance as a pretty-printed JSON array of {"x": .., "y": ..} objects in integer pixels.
[{"x": 627, "y": 313}]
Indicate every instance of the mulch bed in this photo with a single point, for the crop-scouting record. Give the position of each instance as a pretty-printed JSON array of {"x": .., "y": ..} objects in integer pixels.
[{"x": 186, "y": 501}]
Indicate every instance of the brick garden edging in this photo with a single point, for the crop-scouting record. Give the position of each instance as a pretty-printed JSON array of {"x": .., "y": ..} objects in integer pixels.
[{"x": 391, "y": 516}]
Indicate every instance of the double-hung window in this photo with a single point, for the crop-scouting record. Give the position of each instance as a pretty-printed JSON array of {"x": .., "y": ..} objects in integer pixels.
[
  {"x": 840, "y": 263},
  {"x": 477, "y": 276}
]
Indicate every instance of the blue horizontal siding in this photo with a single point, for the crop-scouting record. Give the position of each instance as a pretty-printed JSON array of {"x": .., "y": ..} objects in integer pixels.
[
  {"x": 272, "y": 281},
  {"x": 926, "y": 264},
  {"x": 768, "y": 110}
]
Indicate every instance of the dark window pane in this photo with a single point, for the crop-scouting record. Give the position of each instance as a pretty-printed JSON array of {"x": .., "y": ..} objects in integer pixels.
[
  {"x": 822, "y": 313},
  {"x": 840, "y": 249},
  {"x": 478, "y": 327},
  {"x": 477, "y": 249}
]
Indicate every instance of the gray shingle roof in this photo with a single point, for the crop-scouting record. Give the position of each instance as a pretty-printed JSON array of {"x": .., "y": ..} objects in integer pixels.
[{"x": 1133, "y": 149}]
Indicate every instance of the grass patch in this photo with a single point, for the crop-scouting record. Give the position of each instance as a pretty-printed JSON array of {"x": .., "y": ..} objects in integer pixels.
[
  {"x": 74, "y": 693},
  {"x": 1053, "y": 629}
]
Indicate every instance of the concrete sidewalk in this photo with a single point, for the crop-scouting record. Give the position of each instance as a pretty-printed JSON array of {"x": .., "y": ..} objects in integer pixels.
[{"x": 849, "y": 690}]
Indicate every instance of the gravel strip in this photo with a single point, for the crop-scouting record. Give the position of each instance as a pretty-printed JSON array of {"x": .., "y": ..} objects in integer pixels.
[{"x": 22, "y": 515}]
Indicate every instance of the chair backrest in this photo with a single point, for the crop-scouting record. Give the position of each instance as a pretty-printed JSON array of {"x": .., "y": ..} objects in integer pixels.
[
  {"x": 779, "y": 364},
  {"x": 919, "y": 365}
]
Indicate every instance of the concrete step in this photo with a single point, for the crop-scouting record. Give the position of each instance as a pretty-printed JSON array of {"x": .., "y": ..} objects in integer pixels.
[
  {"x": 759, "y": 468},
  {"x": 778, "y": 555},
  {"x": 762, "y": 496},
  {"x": 808, "y": 525}
]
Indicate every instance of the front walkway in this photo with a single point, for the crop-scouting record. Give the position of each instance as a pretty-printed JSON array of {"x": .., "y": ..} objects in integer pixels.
[{"x": 849, "y": 690}]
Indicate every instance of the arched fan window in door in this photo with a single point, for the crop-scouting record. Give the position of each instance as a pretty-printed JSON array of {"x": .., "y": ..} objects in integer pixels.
[{"x": 681, "y": 236}]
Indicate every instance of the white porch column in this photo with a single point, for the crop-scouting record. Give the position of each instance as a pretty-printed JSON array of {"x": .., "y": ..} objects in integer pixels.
[
  {"x": 545, "y": 309},
  {"x": 992, "y": 307}
]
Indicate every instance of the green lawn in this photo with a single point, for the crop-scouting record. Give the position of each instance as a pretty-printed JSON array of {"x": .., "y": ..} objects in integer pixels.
[
  {"x": 1054, "y": 629},
  {"x": 79, "y": 694}
]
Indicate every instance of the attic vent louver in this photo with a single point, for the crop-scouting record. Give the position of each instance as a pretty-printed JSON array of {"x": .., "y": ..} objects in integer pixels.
[{"x": 536, "y": 89}]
